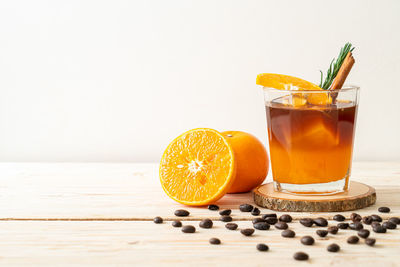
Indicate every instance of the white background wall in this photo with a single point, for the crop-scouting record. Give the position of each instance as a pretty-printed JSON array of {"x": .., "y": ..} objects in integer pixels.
[{"x": 117, "y": 80}]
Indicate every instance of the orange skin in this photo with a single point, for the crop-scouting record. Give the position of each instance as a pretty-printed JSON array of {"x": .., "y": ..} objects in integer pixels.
[{"x": 252, "y": 163}]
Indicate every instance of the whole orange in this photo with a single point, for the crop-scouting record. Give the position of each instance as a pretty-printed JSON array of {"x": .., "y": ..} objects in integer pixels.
[{"x": 251, "y": 161}]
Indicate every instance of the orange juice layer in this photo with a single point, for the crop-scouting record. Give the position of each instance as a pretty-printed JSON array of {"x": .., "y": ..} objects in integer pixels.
[{"x": 310, "y": 144}]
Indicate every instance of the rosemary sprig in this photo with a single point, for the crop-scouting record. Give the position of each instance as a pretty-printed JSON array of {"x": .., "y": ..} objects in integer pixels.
[{"x": 335, "y": 66}]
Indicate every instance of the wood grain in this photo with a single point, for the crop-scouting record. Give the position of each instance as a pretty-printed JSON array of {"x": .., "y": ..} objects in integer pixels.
[
  {"x": 358, "y": 196},
  {"x": 100, "y": 214}
]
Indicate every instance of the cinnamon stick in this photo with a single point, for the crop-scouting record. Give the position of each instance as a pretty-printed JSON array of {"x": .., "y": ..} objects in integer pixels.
[{"x": 343, "y": 72}]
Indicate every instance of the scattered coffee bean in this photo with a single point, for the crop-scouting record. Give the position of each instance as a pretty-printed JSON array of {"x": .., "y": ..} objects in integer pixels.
[
  {"x": 226, "y": 218},
  {"x": 261, "y": 226},
  {"x": 262, "y": 247},
  {"x": 269, "y": 215},
  {"x": 288, "y": 233},
  {"x": 213, "y": 207},
  {"x": 255, "y": 212},
  {"x": 355, "y": 217},
  {"x": 181, "y": 213},
  {"x": 356, "y": 226},
  {"x": 307, "y": 222},
  {"x": 370, "y": 241},
  {"x": 271, "y": 220},
  {"x": 225, "y": 212},
  {"x": 333, "y": 230},
  {"x": 389, "y": 225},
  {"x": 321, "y": 221},
  {"x": 395, "y": 220},
  {"x": 343, "y": 225},
  {"x": 333, "y": 247},
  {"x": 339, "y": 218},
  {"x": 158, "y": 219},
  {"x": 375, "y": 224},
  {"x": 286, "y": 218},
  {"x": 176, "y": 224},
  {"x": 188, "y": 229},
  {"x": 376, "y": 218},
  {"x": 231, "y": 226},
  {"x": 257, "y": 220},
  {"x": 379, "y": 229},
  {"x": 214, "y": 241},
  {"x": 384, "y": 209},
  {"x": 307, "y": 240},
  {"x": 367, "y": 220},
  {"x": 245, "y": 207},
  {"x": 300, "y": 256},
  {"x": 281, "y": 225},
  {"x": 322, "y": 233},
  {"x": 363, "y": 233},
  {"x": 206, "y": 223},
  {"x": 247, "y": 231},
  {"x": 353, "y": 239}
]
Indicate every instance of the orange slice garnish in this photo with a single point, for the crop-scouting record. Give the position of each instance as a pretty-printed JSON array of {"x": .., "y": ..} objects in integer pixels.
[
  {"x": 286, "y": 82},
  {"x": 198, "y": 167}
]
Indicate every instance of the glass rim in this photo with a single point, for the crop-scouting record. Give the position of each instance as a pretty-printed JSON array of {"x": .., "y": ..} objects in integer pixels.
[{"x": 343, "y": 89}]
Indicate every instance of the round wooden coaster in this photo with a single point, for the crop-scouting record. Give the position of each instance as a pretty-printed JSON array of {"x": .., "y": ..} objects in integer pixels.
[{"x": 359, "y": 196}]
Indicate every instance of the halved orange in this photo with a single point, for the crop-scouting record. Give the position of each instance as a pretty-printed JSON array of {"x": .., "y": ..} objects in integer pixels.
[
  {"x": 198, "y": 167},
  {"x": 286, "y": 82}
]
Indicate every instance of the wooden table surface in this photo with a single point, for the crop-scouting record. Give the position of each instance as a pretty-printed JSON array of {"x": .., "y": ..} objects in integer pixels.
[{"x": 101, "y": 214}]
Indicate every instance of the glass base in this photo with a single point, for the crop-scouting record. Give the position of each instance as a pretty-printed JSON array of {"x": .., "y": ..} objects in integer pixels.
[{"x": 330, "y": 188}]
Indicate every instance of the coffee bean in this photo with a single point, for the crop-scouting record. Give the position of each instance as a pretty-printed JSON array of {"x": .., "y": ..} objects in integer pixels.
[
  {"x": 307, "y": 222},
  {"x": 188, "y": 229},
  {"x": 322, "y": 233},
  {"x": 355, "y": 217},
  {"x": 370, "y": 241},
  {"x": 261, "y": 226},
  {"x": 247, "y": 231},
  {"x": 288, "y": 233},
  {"x": 307, "y": 240},
  {"x": 281, "y": 225},
  {"x": 339, "y": 218},
  {"x": 356, "y": 226},
  {"x": 333, "y": 230},
  {"x": 245, "y": 207},
  {"x": 395, "y": 220},
  {"x": 225, "y": 212},
  {"x": 389, "y": 225},
  {"x": 376, "y": 218},
  {"x": 257, "y": 220},
  {"x": 343, "y": 225},
  {"x": 300, "y": 256},
  {"x": 231, "y": 226},
  {"x": 255, "y": 212},
  {"x": 271, "y": 220},
  {"x": 158, "y": 219},
  {"x": 262, "y": 247},
  {"x": 214, "y": 241},
  {"x": 384, "y": 209},
  {"x": 367, "y": 220},
  {"x": 226, "y": 218},
  {"x": 285, "y": 218},
  {"x": 176, "y": 224},
  {"x": 375, "y": 224},
  {"x": 206, "y": 223},
  {"x": 353, "y": 239},
  {"x": 213, "y": 207},
  {"x": 363, "y": 233},
  {"x": 333, "y": 247},
  {"x": 321, "y": 221},
  {"x": 181, "y": 213},
  {"x": 379, "y": 229},
  {"x": 269, "y": 215}
]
